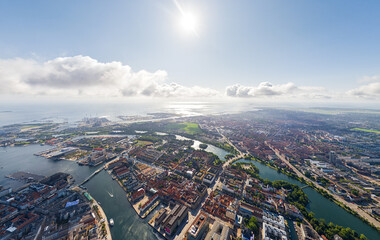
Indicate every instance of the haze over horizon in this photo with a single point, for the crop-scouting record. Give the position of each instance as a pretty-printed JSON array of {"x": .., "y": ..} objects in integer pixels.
[
  {"x": 190, "y": 119},
  {"x": 250, "y": 51}
]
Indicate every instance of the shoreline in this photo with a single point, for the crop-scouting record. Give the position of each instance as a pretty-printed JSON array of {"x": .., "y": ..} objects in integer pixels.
[
  {"x": 318, "y": 188},
  {"x": 300, "y": 179},
  {"x": 104, "y": 216},
  {"x": 130, "y": 203},
  {"x": 154, "y": 229}
]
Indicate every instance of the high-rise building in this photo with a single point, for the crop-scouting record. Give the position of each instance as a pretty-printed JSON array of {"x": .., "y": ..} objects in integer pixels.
[{"x": 332, "y": 157}]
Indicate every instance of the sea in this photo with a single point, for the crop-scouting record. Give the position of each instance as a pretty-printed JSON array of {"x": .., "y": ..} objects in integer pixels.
[
  {"x": 31, "y": 112},
  {"x": 127, "y": 224}
]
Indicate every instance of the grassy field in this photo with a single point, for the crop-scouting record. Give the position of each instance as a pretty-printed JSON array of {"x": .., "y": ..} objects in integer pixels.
[
  {"x": 143, "y": 143},
  {"x": 189, "y": 128},
  {"x": 365, "y": 130}
]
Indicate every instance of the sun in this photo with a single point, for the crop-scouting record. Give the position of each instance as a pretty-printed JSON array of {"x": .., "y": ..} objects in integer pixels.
[{"x": 188, "y": 23}]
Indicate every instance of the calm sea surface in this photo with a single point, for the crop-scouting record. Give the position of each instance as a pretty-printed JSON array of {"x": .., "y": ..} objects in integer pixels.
[{"x": 11, "y": 113}]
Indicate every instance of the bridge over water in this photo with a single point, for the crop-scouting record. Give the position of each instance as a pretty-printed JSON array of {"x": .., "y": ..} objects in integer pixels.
[{"x": 92, "y": 175}]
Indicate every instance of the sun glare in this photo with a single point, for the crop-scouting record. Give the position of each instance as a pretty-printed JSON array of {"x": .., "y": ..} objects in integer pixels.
[{"x": 189, "y": 23}]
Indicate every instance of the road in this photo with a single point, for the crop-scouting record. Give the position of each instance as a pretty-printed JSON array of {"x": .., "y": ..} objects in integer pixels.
[
  {"x": 193, "y": 214},
  {"x": 352, "y": 206},
  {"x": 370, "y": 179},
  {"x": 102, "y": 214},
  {"x": 239, "y": 156}
]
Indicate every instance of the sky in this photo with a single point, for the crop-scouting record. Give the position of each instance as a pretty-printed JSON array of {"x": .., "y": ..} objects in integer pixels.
[{"x": 253, "y": 50}]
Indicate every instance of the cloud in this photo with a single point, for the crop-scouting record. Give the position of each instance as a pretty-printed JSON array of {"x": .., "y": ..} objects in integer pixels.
[
  {"x": 370, "y": 91},
  {"x": 83, "y": 75},
  {"x": 267, "y": 89},
  {"x": 369, "y": 79}
]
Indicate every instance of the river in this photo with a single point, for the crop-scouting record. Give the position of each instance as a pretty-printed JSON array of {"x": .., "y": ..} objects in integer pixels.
[
  {"x": 322, "y": 207},
  {"x": 210, "y": 148},
  {"x": 127, "y": 224}
]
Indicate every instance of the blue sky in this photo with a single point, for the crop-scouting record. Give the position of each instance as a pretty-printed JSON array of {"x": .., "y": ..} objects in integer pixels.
[{"x": 311, "y": 45}]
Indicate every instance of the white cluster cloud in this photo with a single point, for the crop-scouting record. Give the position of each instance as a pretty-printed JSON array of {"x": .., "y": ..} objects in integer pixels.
[
  {"x": 266, "y": 89},
  {"x": 371, "y": 90},
  {"x": 86, "y": 76}
]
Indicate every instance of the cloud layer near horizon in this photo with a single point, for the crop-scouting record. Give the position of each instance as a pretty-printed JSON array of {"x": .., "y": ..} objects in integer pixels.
[
  {"x": 371, "y": 89},
  {"x": 267, "y": 89},
  {"x": 85, "y": 76}
]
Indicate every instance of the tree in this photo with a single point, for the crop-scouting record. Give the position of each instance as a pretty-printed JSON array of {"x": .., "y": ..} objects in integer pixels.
[
  {"x": 267, "y": 182},
  {"x": 253, "y": 225},
  {"x": 347, "y": 233},
  {"x": 362, "y": 237},
  {"x": 355, "y": 192}
]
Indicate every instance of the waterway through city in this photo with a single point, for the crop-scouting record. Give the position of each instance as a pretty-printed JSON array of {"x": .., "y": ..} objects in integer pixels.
[
  {"x": 14, "y": 159},
  {"x": 127, "y": 224},
  {"x": 319, "y": 205}
]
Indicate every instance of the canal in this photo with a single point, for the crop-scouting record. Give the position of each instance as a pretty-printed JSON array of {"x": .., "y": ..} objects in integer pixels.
[
  {"x": 127, "y": 224},
  {"x": 319, "y": 205}
]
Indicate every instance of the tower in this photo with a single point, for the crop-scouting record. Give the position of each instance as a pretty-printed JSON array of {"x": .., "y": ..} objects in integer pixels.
[{"x": 332, "y": 157}]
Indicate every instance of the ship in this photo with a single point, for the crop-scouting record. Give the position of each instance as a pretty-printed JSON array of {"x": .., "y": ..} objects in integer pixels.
[{"x": 111, "y": 222}]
